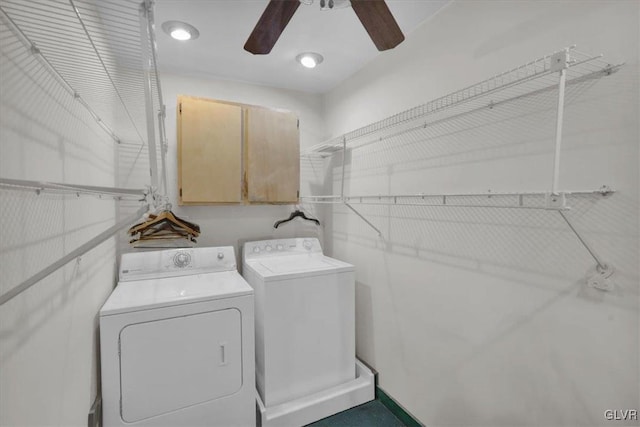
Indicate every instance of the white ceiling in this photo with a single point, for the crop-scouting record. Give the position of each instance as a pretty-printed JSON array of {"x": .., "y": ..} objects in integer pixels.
[{"x": 225, "y": 25}]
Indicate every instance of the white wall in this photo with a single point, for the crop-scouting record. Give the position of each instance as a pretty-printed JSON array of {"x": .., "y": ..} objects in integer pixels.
[
  {"x": 481, "y": 317},
  {"x": 226, "y": 225},
  {"x": 472, "y": 317},
  {"x": 48, "y": 345}
]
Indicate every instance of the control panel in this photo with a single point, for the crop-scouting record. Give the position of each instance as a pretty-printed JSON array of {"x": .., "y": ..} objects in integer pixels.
[
  {"x": 281, "y": 247},
  {"x": 176, "y": 262}
]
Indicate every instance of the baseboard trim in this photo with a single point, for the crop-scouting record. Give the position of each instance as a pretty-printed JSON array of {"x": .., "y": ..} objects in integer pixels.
[{"x": 397, "y": 409}]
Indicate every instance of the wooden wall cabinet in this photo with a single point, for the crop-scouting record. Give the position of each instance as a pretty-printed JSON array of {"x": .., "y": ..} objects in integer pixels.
[
  {"x": 232, "y": 153},
  {"x": 272, "y": 156},
  {"x": 209, "y": 151}
]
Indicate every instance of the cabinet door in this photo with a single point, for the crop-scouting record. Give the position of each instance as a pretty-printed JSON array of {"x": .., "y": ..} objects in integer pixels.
[
  {"x": 273, "y": 156},
  {"x": 209, "y": 151}
]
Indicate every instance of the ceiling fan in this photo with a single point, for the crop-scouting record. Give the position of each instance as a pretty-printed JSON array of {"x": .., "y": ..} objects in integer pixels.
[{"x": 373, "y": 14}]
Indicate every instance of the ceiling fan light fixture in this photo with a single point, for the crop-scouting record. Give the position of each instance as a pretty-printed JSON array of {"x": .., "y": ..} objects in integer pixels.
[
  {"x": 309, "y": 59},
  {"x": 180, "y": 30}
]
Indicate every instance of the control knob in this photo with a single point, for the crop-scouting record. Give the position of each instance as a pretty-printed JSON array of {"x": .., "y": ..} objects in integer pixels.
[{"x": 181, "y": 259}]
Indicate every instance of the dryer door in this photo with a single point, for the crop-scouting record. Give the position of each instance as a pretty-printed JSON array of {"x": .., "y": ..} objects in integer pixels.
[{"x": 169, "y": 364}]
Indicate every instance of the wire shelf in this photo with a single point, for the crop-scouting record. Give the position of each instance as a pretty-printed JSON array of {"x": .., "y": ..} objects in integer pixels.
[
  {"x": 551, "y": 74},
  {"x": 523, "y": 200},
  {"x": 525, "y": 80},
  {"x": 96, "y": 50},
  {"x": 59, "y": 188},
  {"x": 73, "y": 69}
]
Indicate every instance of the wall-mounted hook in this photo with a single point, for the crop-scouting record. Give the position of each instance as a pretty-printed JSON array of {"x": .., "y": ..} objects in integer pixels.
[
  {"x": 605, "y": 191},
  {"x": 600, "y": 279}
]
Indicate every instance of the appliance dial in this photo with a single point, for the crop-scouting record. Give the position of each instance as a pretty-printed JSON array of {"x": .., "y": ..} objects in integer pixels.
[
  {"x": 280, "y": 246},
  {"x": 268, "y": 248},
  {"x": 256, "y": 249},
  {"x": 307, "y": 244},
  {"x": 220, "y": 255},
  {"x": 181, "y": 259}
]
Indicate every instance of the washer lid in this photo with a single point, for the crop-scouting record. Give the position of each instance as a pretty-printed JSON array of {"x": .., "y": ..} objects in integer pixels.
[
  {"x": 294, "y": 266},
  {"x": 169, "y": 291}
]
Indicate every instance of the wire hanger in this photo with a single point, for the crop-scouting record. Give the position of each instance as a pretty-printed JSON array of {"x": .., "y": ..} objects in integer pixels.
[{"x": 296, "y": 214}]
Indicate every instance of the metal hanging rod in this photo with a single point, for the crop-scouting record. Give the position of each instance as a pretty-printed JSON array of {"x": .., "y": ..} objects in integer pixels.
[
  {"x": 63, "y": 82},
  {"x": 118, "y": 193},
  {"x": 147, "y": 63},
  {"x": 71, "y": 255},
  {"x": 524, "y": 80},
  {"x": 597, "y": 279},
  {"x": 524, "y": 200},
  {"x": 149, "y": 29}
]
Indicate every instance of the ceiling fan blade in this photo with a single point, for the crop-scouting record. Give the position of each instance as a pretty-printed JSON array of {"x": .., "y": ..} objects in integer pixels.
[
  {"x": 272, "y": 23},
  {"x": 377, "y": 19}
]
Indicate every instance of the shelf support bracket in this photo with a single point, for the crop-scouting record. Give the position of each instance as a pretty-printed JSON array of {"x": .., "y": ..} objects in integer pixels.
[
  {"x": 363, "y": 218},
  {"x": 600, "y": 279},
  {"x": 344, "y": 157}
]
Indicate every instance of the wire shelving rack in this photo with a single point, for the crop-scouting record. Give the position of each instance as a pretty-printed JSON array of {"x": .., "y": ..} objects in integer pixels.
[
  {"x": 548, "y": 74},
  {"x": 536, "y": 76},
  {"x": 103, "y": 55}
]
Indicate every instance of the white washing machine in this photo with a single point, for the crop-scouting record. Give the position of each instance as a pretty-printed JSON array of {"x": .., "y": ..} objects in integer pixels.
[
  {"x": 177, "y": 341},
  {"x": 306, "y": 367}
]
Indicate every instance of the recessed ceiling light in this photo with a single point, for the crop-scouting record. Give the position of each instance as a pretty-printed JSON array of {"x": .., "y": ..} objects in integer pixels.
[
  {"x": 180, "y": 30},
  {"x": 309, "y": 59}
]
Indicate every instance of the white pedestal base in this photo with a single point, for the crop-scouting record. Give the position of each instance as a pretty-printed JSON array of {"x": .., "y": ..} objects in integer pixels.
[{"x": 308, "y": 409}]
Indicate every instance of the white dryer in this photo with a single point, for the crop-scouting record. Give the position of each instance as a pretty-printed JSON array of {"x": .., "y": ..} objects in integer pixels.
[
  {"x": 305, "y": 332},
  {"x": 177, "y": 341}
]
